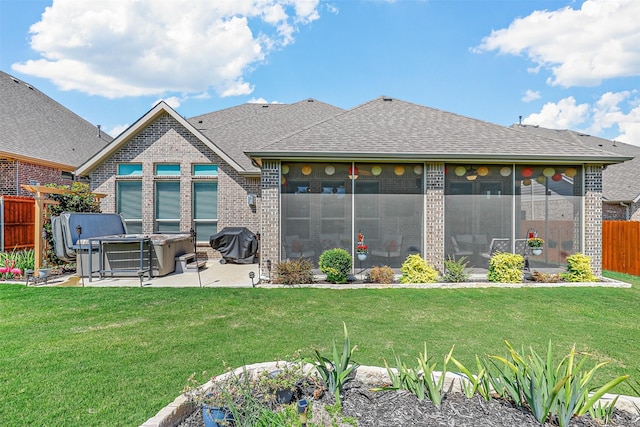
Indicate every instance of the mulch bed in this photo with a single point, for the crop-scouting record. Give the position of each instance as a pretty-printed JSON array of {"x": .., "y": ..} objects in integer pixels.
[{"x": 401, "y": 408}]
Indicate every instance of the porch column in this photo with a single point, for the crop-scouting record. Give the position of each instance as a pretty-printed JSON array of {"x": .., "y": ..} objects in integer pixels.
[
  {"x": 593, "y": 217},
  {"x": 434, "y": 215},
  {"x": 270, "y": 217}
]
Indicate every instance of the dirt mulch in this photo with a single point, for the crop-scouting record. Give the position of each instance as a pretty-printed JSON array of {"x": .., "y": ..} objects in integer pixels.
[{"x": 401, "y": 408}]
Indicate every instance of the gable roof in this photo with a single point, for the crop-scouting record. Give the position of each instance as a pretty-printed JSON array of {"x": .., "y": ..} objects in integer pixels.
[
  {"x": 263, "y": 124},
  {"x": 228, "y": 132},
  {"x": 387, "y": 128},
  {"x": 620, "y": 182},
  {"x": 37, "y": 129},
  {"x": 159, "y": 109}
]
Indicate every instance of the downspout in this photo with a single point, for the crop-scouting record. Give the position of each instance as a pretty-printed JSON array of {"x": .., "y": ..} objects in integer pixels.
[
  {"x": 626, "y": 214},
  {"x": 17, "y": 178},
  {"x": 1, "y": 224}
]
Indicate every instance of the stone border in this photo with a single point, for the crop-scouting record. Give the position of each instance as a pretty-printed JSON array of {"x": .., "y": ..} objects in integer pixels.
[{"x": 174, "y": 413}]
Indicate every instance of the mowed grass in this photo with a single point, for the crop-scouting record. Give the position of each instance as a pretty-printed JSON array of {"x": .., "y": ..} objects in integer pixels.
[{"x": 97, "y": 357}]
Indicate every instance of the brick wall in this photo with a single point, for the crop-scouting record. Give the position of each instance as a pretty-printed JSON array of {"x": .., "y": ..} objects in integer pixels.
[
  {"x": 167, "y": 141},
  {"x": 593, "y": 216},
  {"x": 434, "y": 215},
  {"x": 270, "y": 215},
  {"x": 14, "y": 173}
]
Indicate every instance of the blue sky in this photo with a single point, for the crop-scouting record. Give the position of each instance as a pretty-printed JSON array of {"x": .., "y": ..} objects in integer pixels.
[{"x": 557, "y": 63}]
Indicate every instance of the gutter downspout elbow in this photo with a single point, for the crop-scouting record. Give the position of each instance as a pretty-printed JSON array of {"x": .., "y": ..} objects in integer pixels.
[{"x": 626, "y": 213}]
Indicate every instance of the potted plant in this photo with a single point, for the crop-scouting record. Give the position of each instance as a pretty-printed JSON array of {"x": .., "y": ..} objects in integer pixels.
[
  {"x": 215, "y": 397},
  {"x": 535, "y": 244},
  {"x": 361, "y": 248},
  {"x": 280, "y": 384}
]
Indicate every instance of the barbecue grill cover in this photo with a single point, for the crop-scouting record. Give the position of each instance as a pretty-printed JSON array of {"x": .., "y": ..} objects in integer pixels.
[{"x": 236, "y": 244}]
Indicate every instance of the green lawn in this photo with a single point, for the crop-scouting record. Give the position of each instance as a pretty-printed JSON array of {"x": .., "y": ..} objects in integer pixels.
[{"x": 95, "y": 357}]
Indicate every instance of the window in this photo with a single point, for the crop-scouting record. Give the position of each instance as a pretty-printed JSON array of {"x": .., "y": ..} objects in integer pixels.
[
  {"x": 129, "y": 204},
  {"x": 167, "y": 206},
  {"x": 205, "y": 209},
  {"x": 168, "y": 169},
  {"x": 205, "y": 170},
  {"x": 130, "y": 169}
]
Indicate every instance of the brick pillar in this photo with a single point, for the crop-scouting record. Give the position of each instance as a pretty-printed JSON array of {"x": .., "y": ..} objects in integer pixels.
[
  {"x": 270, "y": 215},
  {"x": 593, "y": 217},
  {"x": 434, "y": 215}
]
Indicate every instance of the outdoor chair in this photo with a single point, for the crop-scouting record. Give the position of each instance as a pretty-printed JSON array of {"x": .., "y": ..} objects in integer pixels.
[
  {"x": 457, "y": 251},
  {"x": 521, "y": 246},
  {"x": 497, "y": 245},
  {"x": 391, "y": 247},
  {"x": 297, "y": 248}
]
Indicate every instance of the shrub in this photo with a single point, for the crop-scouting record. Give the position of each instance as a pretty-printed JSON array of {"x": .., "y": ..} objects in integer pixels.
[
  {"x": 579, "y": 269},
  {"x": 336, "y": 264},
  {"x": 293, "y": 272},
  {"x": 455, "y": 270},
  {"x": 380, "y": 274},
  {"x": 416, "y": 270},
  {"x": 505, "y": 267}
]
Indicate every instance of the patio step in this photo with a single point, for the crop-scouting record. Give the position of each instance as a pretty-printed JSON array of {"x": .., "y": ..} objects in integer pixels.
[{"x": 187, "y": 262}]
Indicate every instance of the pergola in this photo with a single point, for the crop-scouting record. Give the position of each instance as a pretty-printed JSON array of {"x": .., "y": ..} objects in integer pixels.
[{"x": 42, "y": 202}]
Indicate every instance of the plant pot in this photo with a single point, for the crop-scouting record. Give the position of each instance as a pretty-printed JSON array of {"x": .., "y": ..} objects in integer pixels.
[
  {"x": 536, "y": 251},
  {"x": 362, "y": 257},
  {"x": 44, "y": 272},
  {"x": 284, "y": 396},
  {"x": 215, "y": 416}
]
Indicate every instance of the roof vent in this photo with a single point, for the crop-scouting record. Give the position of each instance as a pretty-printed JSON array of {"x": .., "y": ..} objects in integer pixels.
[
  {"x": 29, "y": 86},
  {"x": 15, "y": 80},
  {"x": 199, "y": 121},
  {"x": 309, "y": 100},
  {"x": 99, "y": 132},
  {"x": 265, "y": 106},
  {"x": 386, "y": 98}
]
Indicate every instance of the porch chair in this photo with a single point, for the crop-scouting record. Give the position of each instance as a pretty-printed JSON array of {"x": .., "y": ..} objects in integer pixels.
[
  {"x": 391, "y": 247},
  {"x": 521, "y": 246},
  {"x": 457, "y": 252},
  {"x": 295, "y": 248},
  {"x": 497, "y": 245}
]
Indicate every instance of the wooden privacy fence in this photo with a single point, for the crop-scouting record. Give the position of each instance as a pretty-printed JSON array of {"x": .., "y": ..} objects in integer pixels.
[
  {"x": 621, "y": 246},
  {"x": 17, "y": 219}
]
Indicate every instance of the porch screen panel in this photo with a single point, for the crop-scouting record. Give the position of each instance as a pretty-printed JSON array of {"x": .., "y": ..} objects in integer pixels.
[
  {"x": 389, "y": 210},
  {"x": 205, "y": 209},
  {"x": 316, "y": 209},
  {"x": 478, "y": 211},
  {"x": 549, "y": 203},
  {"x": 167, "y": 206},
  {"x": 129, "y": 204}
]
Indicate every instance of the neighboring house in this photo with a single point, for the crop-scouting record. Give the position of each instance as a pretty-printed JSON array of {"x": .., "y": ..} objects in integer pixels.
[
  {"x": 410, "y": 178},
  {"x": 40, "y": 140},
  {"x": 620, "y": 184}
]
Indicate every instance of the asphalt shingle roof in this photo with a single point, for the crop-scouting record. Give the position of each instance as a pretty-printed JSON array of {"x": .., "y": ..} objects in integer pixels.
[
  {"x": 620, "y": 182},
  {"x": 386, "y": 127},
  {"x": 34, "y": 126},
  {"x": 262, "y": 123}
]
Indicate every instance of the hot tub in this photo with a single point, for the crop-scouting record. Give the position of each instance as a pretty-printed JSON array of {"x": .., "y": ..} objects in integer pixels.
[{"x": 121, "y": 253}]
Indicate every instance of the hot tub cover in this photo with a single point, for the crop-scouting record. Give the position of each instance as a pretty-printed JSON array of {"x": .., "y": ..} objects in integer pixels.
[
  {"x": 65, "y": 236},
  {"x": 236, "y": 244}
]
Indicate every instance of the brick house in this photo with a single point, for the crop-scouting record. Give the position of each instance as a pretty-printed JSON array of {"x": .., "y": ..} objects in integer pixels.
[
  {"x": 309, "y": 176},
  {"x": 40, "y": 140}
]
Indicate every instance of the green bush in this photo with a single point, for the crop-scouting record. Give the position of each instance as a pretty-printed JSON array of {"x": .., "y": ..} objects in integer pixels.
[
  {"x": 293, "y": 272},
  {"x": 505, "y": 267},
  {"x": 24, "y": 260},
  {"x": 380, "y": 274},
  {"x": 336, "y": 264},
  {"x": 455, "y": 271},
  {"x": 579, "y": 269},
  {"x": 416, "y": 270},
  {"x": 81, "y": 199}
]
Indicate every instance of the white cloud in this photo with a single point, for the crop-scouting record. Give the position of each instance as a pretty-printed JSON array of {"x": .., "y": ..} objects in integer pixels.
[
  {"x": 613, "y": 111},
  {"x": 531, "y": 95},
  {"x": 148, "y": 47},
  {"x": 261, "y": 101},
  {"x": 172, "y": 101},
  {"x": 118, "y": 129},
  {"x": 581, "y": 47},
  {"x": 565, "y": 114}
]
